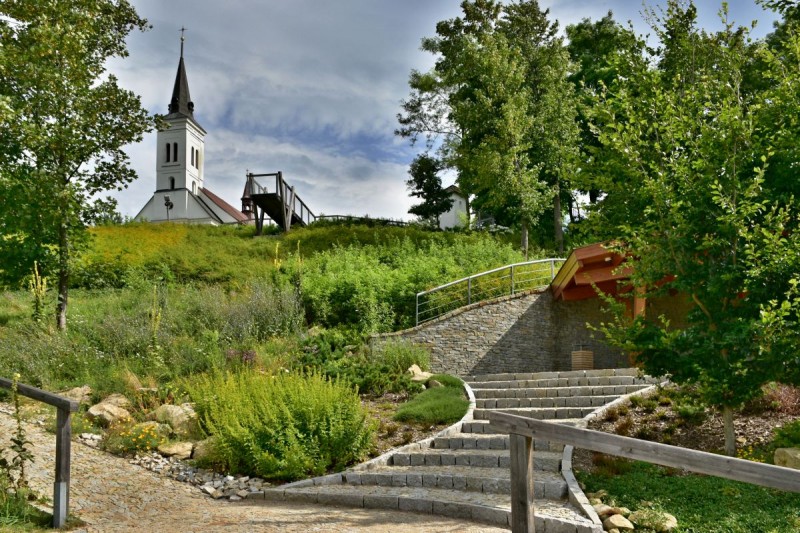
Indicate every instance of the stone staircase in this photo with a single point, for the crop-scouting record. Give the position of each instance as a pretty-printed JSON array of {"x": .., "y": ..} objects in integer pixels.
[{"x": 464, "y": 471}]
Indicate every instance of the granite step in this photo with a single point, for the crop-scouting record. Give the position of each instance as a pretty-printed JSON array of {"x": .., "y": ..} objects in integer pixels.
[
  {"x": 543, "y": 460},
  {"x": 541, "y": 413},
  {"x": 483, "y": 427},
  {"x": 562, "y": 401},
  {"x": 477, "y": 441},
  {"x": 519, "y": 376},
  {"x": 594, "y": 381},
  {"x": 489, "y": 480},
  {"x": 557, "y": 392},
  {"x": 482, "y": 507}
]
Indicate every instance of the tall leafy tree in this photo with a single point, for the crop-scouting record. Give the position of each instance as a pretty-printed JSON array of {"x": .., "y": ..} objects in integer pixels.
[
  {"x": 695, "y": 156},
  {"x": 498, "y": 108},
  {"x": 64, "y": 121},
  {"x": 426, "y": 183}
]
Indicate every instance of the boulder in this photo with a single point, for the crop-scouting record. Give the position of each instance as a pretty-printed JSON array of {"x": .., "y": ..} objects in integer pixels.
[
  {"x": 181, "y": 418},
  {"x": 179, "y": 450},
  {"x": 417, "y": 374},
  {"x": 788, "y": 457},
  {"x": 105, "y": 414},
  {"x": 656, "y": 520},
  {"x": 78, "y": 394},
  {"x": 117, "y": 399},
  {"x": 603, "y": 510},
  {"x": 617, "y": 521},
  {"x": 203, "y": 449}
]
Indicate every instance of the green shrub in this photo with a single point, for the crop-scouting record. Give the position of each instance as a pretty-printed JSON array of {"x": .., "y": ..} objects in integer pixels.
[
  {"x": 448, "y": 381},
  {"x": 787, "y": 436},
  {"x": 399, "y": 355},
  {"x": 440, "y": 405},
  {"x": 284, "y": 426}
]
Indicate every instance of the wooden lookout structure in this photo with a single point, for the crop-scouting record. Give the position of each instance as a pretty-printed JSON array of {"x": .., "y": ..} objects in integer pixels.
[{"x": 273, "y": 197}]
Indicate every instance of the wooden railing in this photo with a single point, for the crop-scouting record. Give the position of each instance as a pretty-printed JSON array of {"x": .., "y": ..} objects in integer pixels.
[
  {"x": 522, "y": 430},
  {"x": 64, "y": 409}
]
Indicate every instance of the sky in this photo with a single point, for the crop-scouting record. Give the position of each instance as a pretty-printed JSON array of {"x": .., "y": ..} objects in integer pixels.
[{"x": 312, "y": 88}]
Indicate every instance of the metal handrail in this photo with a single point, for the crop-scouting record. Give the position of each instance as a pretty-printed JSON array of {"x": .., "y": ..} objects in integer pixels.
[{"x": 515, "y": 284}]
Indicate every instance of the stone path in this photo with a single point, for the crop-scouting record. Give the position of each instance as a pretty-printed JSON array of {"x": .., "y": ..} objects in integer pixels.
[{"x": 112, "y": 495}]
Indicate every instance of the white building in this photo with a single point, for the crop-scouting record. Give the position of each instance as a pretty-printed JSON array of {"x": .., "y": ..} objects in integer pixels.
[
  {"x": 180, "y": 194},
  {"x": 458, "y": 215}
]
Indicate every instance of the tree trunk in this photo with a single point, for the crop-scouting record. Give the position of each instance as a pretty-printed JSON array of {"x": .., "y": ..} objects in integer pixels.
[
  {"x": 63, "y": 277},
  {"x": 730, "y": 435},
  {"x": 525, "y": 238},
  {"x": 557, "y": 222}
]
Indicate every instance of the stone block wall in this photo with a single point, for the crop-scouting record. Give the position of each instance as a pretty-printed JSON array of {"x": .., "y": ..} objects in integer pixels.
[{"x": 522, "y": 333}]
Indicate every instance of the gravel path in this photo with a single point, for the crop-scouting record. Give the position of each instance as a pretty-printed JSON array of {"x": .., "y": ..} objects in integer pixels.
[{"x": 111, "y": 495}]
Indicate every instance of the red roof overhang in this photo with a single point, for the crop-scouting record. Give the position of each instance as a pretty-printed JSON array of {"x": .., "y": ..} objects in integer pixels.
[{"x": 595, "y": 265}]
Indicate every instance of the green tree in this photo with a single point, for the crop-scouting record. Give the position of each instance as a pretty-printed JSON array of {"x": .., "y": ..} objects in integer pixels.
[
  {"x": 426, "y": 183},
  {"x": 694, "y": 159},
  {"x": 64, "y": 121},
  {"x": 499, "y": 110}
]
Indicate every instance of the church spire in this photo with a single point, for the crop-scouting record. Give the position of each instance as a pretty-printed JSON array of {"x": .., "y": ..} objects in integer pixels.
[{"x": 181, "y": 103}]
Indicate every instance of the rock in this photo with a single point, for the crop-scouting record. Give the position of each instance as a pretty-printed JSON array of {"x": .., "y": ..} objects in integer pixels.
[
  {"x": 613, "y": 530},
  {"x": 181, "y": 418},
  {"x": 179, "y": 450},
  {"x": 603, "y": 510},
  {"x": 617, "y": 521},
  {"x": 656, "y": 520},
  {"x": 79, "y": 394},
  {"x": 417, "y": 374},
  {"x": 788, "y": 457},
  {"x": 119, "y": 400},
  {"x": 433, "y": 384},
  {"x": 624, "y": 511},
  {"x": 595, "y": 501},
  {"x": 105, "y": 414},
  {"x": 203, "y": 449},
  {"x": 600, "y": 494},
  {"x": 235, "y": 498},
  {"x": 208, "y": 490}
]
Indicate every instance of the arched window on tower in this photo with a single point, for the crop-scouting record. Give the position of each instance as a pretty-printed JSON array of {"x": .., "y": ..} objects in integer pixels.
[
  {"x": 172, "y": 183},
  {"x": 175, "y": 152},
  {"x": 192, "y": 155},
  {"x": 194, "y": 187},
  {"x": 197, "y": 159},
  {"x": 168, "y": 152}
]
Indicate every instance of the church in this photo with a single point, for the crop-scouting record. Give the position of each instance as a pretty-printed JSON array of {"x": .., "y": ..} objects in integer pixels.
[{"x": 180, "y": 194}]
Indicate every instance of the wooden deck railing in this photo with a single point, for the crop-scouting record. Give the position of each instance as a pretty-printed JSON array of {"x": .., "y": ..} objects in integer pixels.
[
  {"x": 522, "y": 430},
  {"x": 64, "y": 409}
]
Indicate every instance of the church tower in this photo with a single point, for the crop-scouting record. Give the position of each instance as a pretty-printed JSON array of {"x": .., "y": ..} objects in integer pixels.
[
  {"x": 180, "y": 154},
  {"x": 180, "y": 194}
]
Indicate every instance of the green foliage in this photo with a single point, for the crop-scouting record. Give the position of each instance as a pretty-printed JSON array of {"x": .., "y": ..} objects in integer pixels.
[
  {"x": 700, "y": 503},
  {"x": 373, "y": 372},
  {"x": 126, "y": 437},
  {"x": 439, "y": 405},
  {"x": 426, "y": 184},
  {"x": 64, "y": 124},
  {"x": 283, "y": 426},
  {"x": 787, "y": 436},
  {"x": 373, "y": 288}
]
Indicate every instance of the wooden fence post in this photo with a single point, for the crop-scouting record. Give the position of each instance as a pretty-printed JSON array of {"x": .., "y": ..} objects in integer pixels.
[
  {"x": 61, "y": 485},
  {"x": 522, "y": 510}
]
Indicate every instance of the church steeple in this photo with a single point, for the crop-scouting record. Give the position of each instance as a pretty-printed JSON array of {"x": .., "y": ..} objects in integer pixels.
[{"x": 181, "y": 103}]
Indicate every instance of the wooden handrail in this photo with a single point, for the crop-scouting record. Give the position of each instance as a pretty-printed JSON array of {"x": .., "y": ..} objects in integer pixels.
[
  {"x": 65, "y": 407},
  {"x": 522, "y": 430}
]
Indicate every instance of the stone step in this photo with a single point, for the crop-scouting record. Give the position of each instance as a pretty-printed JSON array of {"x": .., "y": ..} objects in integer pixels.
[
  {"x": 564, "y": 401},
  {"x": 483, "y": 507},
  {"x": 562, "y": 382},
  {"x": 548, "y": 485},
  {"x": 543, "y": 460},
  {"x": 541, "y": 413},
  {"x": 558, "y": 392},
  {"x": 476, "y": 441},
  {"x": 483, "y": 427},
  {"x": 600, "y": 372}
]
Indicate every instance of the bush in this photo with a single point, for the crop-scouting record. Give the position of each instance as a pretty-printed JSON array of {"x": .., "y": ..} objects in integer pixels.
[
  {"x": 284, "y": 426},
  {"x": 440, "y": 405},
  {"x": 787, "y": 436}
]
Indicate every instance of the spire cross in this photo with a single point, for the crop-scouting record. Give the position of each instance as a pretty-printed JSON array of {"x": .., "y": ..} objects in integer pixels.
[{"x": 182, "y": 39}]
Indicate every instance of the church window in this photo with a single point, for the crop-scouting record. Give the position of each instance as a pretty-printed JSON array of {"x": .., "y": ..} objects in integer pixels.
[
  {"x": 172, "y": 183},
  {"x": 167, "y": 152},
  {"x": 192, "y": 155},
  {"x": 175, "y": 151},
  {"x": 194, "y": 187},
  {"x": 197, "y": 159}
]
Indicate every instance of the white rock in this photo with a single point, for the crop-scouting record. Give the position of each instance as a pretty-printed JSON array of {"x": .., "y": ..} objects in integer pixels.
[
  {"x": 617, "y": 521},
  {"x": 788, "y": 457},
  {"x": 179, "y": 450},
  {"x": 105, "y": 414}
]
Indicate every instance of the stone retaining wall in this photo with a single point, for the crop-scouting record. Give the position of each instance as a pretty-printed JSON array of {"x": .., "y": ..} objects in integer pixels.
[{"x": 522, "y": 333}]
